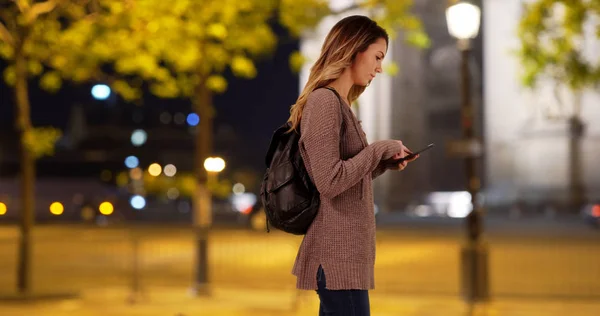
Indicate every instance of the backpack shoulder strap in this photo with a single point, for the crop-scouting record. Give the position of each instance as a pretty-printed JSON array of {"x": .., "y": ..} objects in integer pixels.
[{"x": 341, "y": 105}]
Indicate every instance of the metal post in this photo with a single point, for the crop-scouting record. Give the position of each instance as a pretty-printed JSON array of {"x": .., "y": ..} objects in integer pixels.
[
  {"x": 136, "y": 289},
  {"x": 474, "y": 254},
  {"x": 576, "y": 186}
]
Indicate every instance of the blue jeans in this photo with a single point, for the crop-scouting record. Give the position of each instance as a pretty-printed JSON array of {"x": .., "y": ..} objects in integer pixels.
[{"x": 341, "y": 302}]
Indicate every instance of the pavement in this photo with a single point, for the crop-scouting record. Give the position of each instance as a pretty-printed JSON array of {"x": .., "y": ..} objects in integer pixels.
[{"x": 248, "y": 302}]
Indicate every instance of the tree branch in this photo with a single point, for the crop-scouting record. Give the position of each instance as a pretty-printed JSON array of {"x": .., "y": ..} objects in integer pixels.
[
  {"x": 6, "y": 36},
  {"x": 22, "y": 5},
  {"x": 39, "y": 9}
]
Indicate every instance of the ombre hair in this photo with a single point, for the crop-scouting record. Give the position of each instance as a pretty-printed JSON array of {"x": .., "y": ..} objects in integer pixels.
[{"x": 347, "y": 38}]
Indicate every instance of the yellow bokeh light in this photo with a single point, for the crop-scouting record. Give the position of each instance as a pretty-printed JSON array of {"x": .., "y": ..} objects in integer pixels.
[
  {"x": 57, "y": 208},
  {"x": 154, "y": 169},
  {"x": 106, "y": 208},
  {"x": 3, "y": 208}
]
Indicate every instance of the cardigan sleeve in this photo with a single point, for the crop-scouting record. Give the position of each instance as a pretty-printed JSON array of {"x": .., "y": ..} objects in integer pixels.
[{"x": 320, "y": 147}]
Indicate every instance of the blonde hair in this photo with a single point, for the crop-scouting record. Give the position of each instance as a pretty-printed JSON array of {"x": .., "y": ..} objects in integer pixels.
[{"x": 347, "y": 38}]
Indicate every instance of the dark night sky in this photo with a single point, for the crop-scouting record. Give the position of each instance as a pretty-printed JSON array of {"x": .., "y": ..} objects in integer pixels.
[{"x": 254, "y": 108}]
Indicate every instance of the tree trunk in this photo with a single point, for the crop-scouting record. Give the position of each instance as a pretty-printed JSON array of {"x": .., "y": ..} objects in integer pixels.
[
  {"x": 203, "y": 149},
  {"x": 27, "y": 175},
  {"x": 202, "y": 199}
]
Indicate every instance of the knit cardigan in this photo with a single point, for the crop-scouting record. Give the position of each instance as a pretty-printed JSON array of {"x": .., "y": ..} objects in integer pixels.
[{"x": 342, "y": 166}]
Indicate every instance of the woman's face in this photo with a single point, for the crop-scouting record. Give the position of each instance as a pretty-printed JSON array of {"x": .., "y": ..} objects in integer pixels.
[{"x": 368, "y": 63}]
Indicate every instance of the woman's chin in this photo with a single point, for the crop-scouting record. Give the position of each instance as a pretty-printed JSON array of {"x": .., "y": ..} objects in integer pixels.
[{"x": 363, "y": 83}]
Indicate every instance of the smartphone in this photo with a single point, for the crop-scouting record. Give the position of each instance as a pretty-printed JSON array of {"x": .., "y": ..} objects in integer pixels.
[{"x": 414, "y": 153}]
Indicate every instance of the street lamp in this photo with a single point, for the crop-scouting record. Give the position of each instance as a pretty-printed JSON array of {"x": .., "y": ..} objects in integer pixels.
[
  {"x": 203, "y": 221},
  {"x": 101, "y": 92},
  {"x": 463, "y": 21},
  {"x": 214, "y": 164}
]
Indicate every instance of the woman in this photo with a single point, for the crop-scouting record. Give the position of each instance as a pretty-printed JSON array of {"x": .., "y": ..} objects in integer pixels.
[{"x": 337, "y": 255}]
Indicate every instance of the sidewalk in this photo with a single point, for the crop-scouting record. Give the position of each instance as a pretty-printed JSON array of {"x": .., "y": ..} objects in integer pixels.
[{"x": 229, "y": 302}]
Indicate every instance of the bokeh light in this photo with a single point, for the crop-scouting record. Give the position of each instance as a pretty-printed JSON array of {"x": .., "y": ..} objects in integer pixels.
[
  {"x": 239, "y": 188},
  {"x": 135, "y": 173},
  {"x": 139, "y": 137},
  {"x": 132, "y": 162},
  {"x": 173, "y": 193},
  {"x": 170, "y": 170},
  {"x": 214, "y": 164},
  {"x": 154, "y": 169},
  {"x": 179, "y": 118},
  {"x": 57, "y": 208},
  {"x": 165, "y": 117},
  {"x": 100, "y": 92},
  {"x": 193, "y": 119},
  {"x": 106, "y": 208},
  {"x": 137, "y": 202},
  {"x": 3, "y": 208}
]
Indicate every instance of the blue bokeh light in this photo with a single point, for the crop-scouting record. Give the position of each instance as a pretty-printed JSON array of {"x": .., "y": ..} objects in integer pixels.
[
  {"x": 193, "y": 119},
  {"x": 132, "y": 162}
]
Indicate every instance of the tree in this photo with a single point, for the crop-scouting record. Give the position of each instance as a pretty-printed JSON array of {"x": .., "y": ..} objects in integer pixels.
[
  {"x": 178, "y": 48},
  {"x": 552, "y": 37},
  {"x": 27, "y": 31}
]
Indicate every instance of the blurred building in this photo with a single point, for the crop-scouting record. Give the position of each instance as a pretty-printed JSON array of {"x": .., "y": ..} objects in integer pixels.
[
  {"x": 528, "y": 157},
  {"x": 99, "y": 136}
]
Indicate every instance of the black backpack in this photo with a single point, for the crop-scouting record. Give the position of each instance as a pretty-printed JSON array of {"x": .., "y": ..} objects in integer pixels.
[{"x": 289, "y": 197}]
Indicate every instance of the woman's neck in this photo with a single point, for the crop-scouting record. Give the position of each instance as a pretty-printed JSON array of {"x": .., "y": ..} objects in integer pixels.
[{"x": 342, "y": 85}]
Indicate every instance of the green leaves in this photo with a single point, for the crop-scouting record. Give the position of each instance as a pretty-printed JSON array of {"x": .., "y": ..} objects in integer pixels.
[
  {"x": 552, "y": 38},
  {"x": 243, "y": 67},
  {"x": 9, "y": 75},
  {"x": 296, "y": 61},
  {"x": 40, "y": 140},
  {"x": 396, "y": 15},
  {"x": 300, "y": 15},
  {"x": 216, "y": 83},
  {"x": 171, "y": 45},
  {"x": 51, "y": 81}
]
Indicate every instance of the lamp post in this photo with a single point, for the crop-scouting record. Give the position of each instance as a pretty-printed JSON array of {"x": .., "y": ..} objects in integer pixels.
[
  {"x": 203, "y": 222},
  {"x": 463, "y": 21}
]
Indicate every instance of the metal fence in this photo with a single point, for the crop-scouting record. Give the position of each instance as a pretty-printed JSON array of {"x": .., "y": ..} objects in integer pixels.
[{"x": 139, "y": 260}]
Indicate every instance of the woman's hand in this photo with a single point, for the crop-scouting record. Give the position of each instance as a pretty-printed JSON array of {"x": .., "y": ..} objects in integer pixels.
[{"x": 404, "y": 153}]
